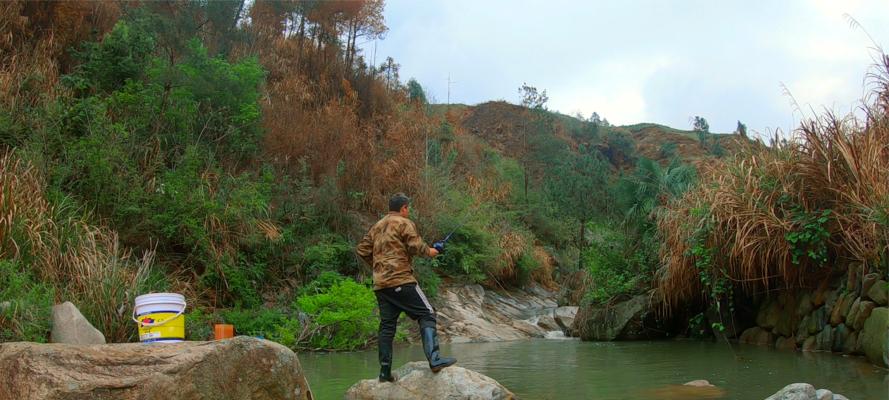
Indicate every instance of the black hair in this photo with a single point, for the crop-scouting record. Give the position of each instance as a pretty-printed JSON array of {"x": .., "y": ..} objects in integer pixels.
[{"x": 397, "y": 201}]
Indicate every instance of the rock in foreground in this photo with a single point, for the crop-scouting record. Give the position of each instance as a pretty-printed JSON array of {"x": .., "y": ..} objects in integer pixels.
[
  {"x": 239, "y": 368},
  {"x": 70, "y": 326},
  {"x": 805, "y": 391},
  {"x": 416, "y": 381}
]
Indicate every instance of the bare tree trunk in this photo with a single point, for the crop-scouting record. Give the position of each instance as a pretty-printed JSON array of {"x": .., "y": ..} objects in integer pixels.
[{"x": 302, "y": 36}]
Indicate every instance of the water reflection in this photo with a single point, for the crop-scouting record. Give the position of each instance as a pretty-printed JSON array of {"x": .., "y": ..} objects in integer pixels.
[{"x": 560, "y": 369}]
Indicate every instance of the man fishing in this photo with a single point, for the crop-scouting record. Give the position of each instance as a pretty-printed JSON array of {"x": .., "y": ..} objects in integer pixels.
[{"x": 389, "y": 247}]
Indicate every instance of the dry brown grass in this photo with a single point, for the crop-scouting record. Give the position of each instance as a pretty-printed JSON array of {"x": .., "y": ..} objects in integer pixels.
[
  {"x": 35, "y": 39},
  {"x": 745, "y": 206},
  {"x": 84, "y": 263}
]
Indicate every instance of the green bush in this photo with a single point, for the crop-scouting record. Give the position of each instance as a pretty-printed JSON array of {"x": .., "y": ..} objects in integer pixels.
[
  {"x": 199, "y": 325},
  {"x": 269, "y": 323},
  {"x": 330, "y": 253},
  {"x": 612, "y": 270},
  {"x": 28, "y": 314},
  {"x": 342, "y": 317}
]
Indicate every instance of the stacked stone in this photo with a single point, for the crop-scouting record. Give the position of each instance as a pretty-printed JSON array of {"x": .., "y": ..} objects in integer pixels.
[{"x": 841, "y": 321}]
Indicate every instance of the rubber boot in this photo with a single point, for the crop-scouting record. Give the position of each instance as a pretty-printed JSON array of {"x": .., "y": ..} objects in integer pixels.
[
  {"x": 430, "y": 347},
  {"x": 386, "y": 362}
]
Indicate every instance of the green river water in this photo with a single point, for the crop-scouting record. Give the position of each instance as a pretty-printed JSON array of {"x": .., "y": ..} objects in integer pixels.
[{"x": 571, "y": 369}]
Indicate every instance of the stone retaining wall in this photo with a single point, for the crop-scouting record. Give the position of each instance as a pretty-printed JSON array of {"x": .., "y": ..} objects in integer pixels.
[{"x": 836, "y": 320}]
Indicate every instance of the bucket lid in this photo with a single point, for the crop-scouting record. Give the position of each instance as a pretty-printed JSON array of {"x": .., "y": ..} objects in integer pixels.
[{"x": 158, "y": 296}]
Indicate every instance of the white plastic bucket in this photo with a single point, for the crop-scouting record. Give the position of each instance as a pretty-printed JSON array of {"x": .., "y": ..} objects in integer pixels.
[{"x": 160, "y": 318}]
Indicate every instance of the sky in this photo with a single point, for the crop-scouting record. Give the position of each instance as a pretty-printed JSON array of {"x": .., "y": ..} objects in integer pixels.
[{"x": 768, "y": 64}]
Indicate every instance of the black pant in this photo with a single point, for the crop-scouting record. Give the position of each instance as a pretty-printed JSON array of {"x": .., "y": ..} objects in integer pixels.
[{"x": 393, "y": 301}]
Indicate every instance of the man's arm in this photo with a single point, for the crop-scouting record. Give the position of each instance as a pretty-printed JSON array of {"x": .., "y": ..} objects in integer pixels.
[
  {"x": 365, "y": 249},
  {"x": 414, "y": 243}
]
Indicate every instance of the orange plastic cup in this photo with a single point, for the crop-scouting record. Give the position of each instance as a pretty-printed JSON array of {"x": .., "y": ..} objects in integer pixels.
[{"x": 223, "y": 331}]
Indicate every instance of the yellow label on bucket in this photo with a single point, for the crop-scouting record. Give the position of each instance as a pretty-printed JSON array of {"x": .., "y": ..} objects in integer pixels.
[{"x": 167, "y": 326}]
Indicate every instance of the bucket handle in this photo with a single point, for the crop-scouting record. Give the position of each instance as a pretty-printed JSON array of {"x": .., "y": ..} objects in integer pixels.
[{"x": 151, "y": 324}]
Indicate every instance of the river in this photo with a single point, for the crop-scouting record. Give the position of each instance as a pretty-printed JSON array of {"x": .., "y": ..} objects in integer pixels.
[{"x": 571, "y": 369}]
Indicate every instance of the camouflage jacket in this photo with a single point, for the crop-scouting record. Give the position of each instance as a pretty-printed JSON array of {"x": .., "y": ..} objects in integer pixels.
[{"x": 389, "y": 247}]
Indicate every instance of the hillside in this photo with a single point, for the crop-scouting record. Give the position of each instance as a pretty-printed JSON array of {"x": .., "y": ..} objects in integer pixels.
[
  {"x": 239, "y": 165},
  {"x": 502, "y": 124}
]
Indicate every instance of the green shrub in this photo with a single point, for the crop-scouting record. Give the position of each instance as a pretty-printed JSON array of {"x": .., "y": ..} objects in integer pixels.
[
  {"x": 612, "y": 271},
  {"x": 199, "y": 325},
  {"x": 28, "y": 314},
  {"x": 342, "y": 318},
  {"x": 331, "y": 253},
  {"x": 525, "y": 265}
]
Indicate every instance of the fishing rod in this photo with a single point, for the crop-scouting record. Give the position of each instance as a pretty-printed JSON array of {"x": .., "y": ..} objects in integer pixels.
[{"x": 440, "y": 245}]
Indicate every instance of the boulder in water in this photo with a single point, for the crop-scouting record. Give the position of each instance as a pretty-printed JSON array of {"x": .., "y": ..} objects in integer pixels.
[
  {"x": 238, "y": 368},
  {"x": 795, "y": 391},
  {"x": 873, "y": 338},
  {"x": 804, "y": 391},
  {"x": 548, "y": 323},
  {"x": 564, "y": 317},
  {"x": 417, "y": 381},
  {"x": 628, "y": 320},
  {"x": 71, "y": 327}
]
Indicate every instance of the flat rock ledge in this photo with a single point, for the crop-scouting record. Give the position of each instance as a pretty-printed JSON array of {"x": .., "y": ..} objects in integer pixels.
[
  {"x": 805, "y": 391},
  {"x": 238, "y": 368},
  {"x": 416, "y": 381}
]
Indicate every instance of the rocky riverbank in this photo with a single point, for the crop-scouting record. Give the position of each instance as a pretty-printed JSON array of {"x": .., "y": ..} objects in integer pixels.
[
  {"x": 833, "y": 318},
  {"x": 841, "y": 320},
  {"x": 470, "y": 313}
]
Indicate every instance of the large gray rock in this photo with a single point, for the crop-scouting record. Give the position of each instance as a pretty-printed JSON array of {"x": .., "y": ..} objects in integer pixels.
[
  {"x": 874, "y": 338},
  {"x": 795, "y": 391},
  {"x": 469, "y": 313},
  {"x": 238, "y": 368},
  {"x": 878, "y": 292},
  {"x": 823, "y": 394},
  {"x": 629, "y": 320},
  {"x": 71, "y": 327},
  {"x": 548, "y": 323},
  {"x": 416, "y": 381},
  {"x": 565, "y": 318}
]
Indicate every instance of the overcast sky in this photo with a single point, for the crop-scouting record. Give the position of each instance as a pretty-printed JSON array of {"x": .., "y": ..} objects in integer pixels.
[{"x": 642, "y": 61}]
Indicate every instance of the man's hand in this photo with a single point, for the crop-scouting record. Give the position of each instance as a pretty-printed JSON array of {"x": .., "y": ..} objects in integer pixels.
[{"x": 432, "y": 252}]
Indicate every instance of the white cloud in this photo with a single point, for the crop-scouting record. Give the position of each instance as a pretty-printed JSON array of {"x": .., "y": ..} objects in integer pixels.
[{"x": 645, "y": 60}]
